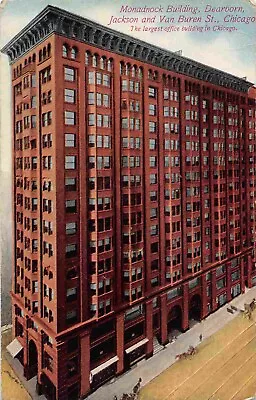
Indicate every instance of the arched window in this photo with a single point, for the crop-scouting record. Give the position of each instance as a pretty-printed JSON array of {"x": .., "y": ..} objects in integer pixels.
[
  {"x": 29, "y": 60},
  {"x": 40, "y": 55},
  {"x": 110, "y": 65},
  {"x": 25, "y": 62},
  {"x": 87, "y": 58},
  {"x": 64, "y": 50},
  {"x": 122, "y": 68},
  {"x": 94, "y": 60},
  {"x": 102, "y": 63},
  {"x": 127, "y": 69},
  {"x": 140, "y": 73},
  {"x": 44, "y": 52},
  {"x": 48, "y": 49},
  {"x": 133, "y": 71},
  {"x": 74, "y": 53},
  {"x": 34, "y": 57}
]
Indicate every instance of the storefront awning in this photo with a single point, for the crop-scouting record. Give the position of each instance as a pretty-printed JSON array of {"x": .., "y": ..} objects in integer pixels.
[
  {"x": 14, "y": 348},
  {"x": 104, "y": 365},
  {"x": 136, "y": 345}
]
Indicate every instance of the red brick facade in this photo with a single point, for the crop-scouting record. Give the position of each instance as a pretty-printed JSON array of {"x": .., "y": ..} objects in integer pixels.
[{"x": 134, "y": 199}]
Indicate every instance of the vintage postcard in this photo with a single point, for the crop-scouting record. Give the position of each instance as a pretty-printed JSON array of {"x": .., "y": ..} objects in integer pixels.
[{"x": 128, "y": 199}]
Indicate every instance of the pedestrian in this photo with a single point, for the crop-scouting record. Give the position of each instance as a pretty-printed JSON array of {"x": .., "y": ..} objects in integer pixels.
[{"x": 200, "y": 337}]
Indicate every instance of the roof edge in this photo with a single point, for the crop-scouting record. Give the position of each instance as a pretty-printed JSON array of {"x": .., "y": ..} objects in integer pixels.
[{"x": 56, "y": 20}]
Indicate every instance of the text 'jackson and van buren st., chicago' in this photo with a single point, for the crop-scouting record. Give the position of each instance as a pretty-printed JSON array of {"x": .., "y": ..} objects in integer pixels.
[{"x": 226, "y": 14}]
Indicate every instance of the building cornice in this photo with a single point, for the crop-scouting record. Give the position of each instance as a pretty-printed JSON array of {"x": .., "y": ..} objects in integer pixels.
[{"x": 56, "y": 20}]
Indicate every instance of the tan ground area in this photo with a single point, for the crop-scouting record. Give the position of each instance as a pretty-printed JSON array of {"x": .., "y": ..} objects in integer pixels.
[
  {"x": 224, "y": 368},
  {"x": 12, "y": 388}
]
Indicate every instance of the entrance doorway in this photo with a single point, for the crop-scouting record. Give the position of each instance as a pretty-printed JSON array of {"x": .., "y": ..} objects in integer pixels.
[
  {"x": 195, "y": 308},
  {"x": 174, "y": 322},
  {"x": 32, "y": 359}
]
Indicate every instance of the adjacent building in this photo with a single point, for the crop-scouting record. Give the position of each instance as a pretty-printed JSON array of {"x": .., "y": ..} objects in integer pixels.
[{"x": 134, "y": 190}]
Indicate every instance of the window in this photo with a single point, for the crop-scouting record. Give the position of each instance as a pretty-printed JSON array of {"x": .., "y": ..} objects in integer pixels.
[
  {"x": 134, "y": 312},
  {"x": 91, "y": 119},
  {"x": 64, "y": 50},
  {"x": 71, "y": 250},
  {"x": 70, "y": 184},
  {"x": 153, "y": 213},
  {"x": 91, "y": 98},
  {"x": 70, "y": 140},
  {"x": 153, "y": 179},
  {"x": 106, "y": 80},
  {"x": 106, "y": 100},
  {"x": 99, "y": 99},
  {"x": 103, "y": 162},
  {"x": 221, "y": 283},
  {"x": 47, "y": 162},
  {"x": 46, "y": 97},
  {"x": 154, "y": 230},
  {"x": 91, "y": 77},
  {"x": 26, "y": 82},
  {"x": 71, "y": 316},
  {"x": 154, "y": 282},
  {"x": 103, "y": 183},
  {"x": 33, "y": 80},
  {"x": 74, "y": 53},
  {"x": 103, "y": 120},
  {"x": 71, "y": 294},
  {"x": 103, "y": 245},
  {"x": 70, "y": 162},
  {"x": 33, "y": 102},
  {"x": 152, "y": 109},
  {"x": 102, "y": 141},
  {"x": 174, "y": 293},
  {"x": 70, "y": 96},
  {"x": 154, "y": 247},
  {"x": 69, "y": 74},
  {"x": 34, "y": 286},
  {"x": 99, "y": 78},
  {"x": 70, "y": 206},
  {"x": 152, "y": 161},
  {"x": 34, "y": 204},
  {"x": 220, "y": 270},
  {"x": 47, "y": 118},
  {"x": 71, "y": 228},
  {"x": 235, "y": 276},
  {"x": 92, "y": 203},
  {"x": 152, "y": 126},
  {"x": 124, "y": 85},
  {"x": 152, "y": 92},
  {"x": 47, "y": 140},
  {"x": 70, "y": 118},
  {"x": 152, "y": 144}
]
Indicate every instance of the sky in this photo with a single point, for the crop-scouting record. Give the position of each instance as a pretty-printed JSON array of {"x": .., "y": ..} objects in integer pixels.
[{"x": 233, "y": 52}]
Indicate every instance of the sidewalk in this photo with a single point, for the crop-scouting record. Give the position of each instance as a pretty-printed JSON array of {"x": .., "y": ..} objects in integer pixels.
[
  {"x": 149, "y": 369},
  {"x": 14, "y": 388}
]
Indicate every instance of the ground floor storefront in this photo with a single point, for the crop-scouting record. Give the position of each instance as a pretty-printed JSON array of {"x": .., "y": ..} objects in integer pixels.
[{"x": 85, "y": 359}]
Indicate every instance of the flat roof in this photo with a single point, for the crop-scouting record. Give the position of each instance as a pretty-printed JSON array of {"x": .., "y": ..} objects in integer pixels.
[{"x": 56, "y": 20}]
